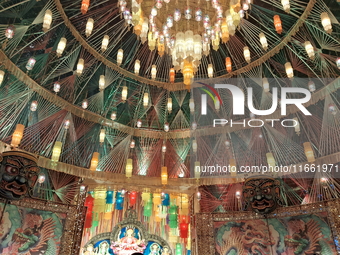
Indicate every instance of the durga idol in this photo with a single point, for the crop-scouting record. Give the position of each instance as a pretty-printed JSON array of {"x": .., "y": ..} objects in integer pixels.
[{"x": 128, "y": 244}]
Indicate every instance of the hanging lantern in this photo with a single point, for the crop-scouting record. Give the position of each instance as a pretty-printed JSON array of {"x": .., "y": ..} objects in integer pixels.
[
  {"x": 151, "y": 41},
  {"x": 146, "y": 99},
  {"x": 297, "y": 126},
  {"x": 56, "y": 151},
  {"x": 99, "y": 203},
  {"x": 137, "y": 66},
  {"x": 233, "y": 167},
  {"x": 332, "y": 109},
  {"x": 194, "y": 145},
  {"x": 34, "y": 106},
  {"x": 289, "y": 70},
  {"x": 309, "y": 49},
  {"x": 113, "y": 115},
  {"x": 119, "y": 201},
  {"x": 169, "y": 105},
  {"x": 188, "y": 73},
  {"x": 94, "y": 161},
  {"x": 338, "y": 63},
  {"x": 132, "y": 144},
  {"x": 110, "y": 200},
  {"x": 132, "y": 198},
  {"x": 183, "y": 230},
  {"x": 124, "y": 93},
  {"x": 326, "y": 22},
  {"x": 139, "y": 123},
  {"x": 278, "y": 24},
  {"x": 80, "y": 66},
  {"x": 285, "y": 5},
  {"x": 192, "y": 105},
  {"x": 66, "y": 124},
  {"x": 178, "y": 249},
  {"x": 128, "y": 168},
  {"x": 89, "y": 204},
  {"x": 270, "y": 159},
  {"x": 246, "y": 54},
  {"x": 217, "y": 104},
  {"x": 17, "y": 135},
  {"x": 84, "y": 104},
  {"x": 56, "y": 87},
  {"x": 309, "y": 152},
  {"x": 210, "y": 71},
  {"x": 120, "y": 57},
  {"x": 166, "y": 127},
  {"x": 102, "y": 135},
  {"x": 265, "y": 84},
  {"x": 47, "y": 20},
  {"x": 84, "y": 6},
  {"x": 105, "y": 42},
  {"x": 153, "y": 72},
  {"x": 311, "y": 86},
  {"x": 61, "y": 46},
  {"x": 187, "y": 13},
  {"x": 89, "y": 27},
  {"x": 164, "y": 175},
  {"x": 30, "y": 64},
  {"x": 2, "y": 75},
  {"x": 164, "y": 148},
  {"x": 238, "y": 194},
  {"x": 172, "y": 75},
  {"x": 228, "y": 64},
  {"x": 10, "y": 31},
  {"x": 101, "y": 82},
  {"x": 225, "y": 32},
  {"x": 263, "y": 41},
  {"x": 194, "y": 125}
]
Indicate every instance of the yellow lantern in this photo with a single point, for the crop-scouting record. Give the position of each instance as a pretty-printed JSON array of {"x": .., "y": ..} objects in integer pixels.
[
  {"x": 61, "y": 46},
  {"x": 89, "y": 27},
  {"x": 157, "y": 201},
  {"x": 309, "y": 49},
  {"x": 102, "y": 136},
  {"x": 265, "y": 84},
  {"x": 128, "y": 168},
  {"x": 105, "y": 42},
  {"x": 172, "y": 75},
  {"x": 80, "y": 66},
  {"x": 225, "y": 31},
  {"x": 210, "y": 71},
  {"x": 197, "y": 169},
  {"x": 2, "y": 75},
  {"x": 246, "y": 54},
  {"x": 99, "y": 202},
  {"x": 137, "y": 66},
  {"x": 146, "y": 99},
  {"x": 164, "y": 175},
  {"x": 169, "y": 104},
  {"x": 326, "y": 22},
  {"x": 270, "y": 160},
  {"x": 263, "y": 41},
  {"x": 120, "y": 55},
  {"x": 146, "y": 195},
  {"x": 151, "y": 41},
  {"x": 17, "y": 135},
  {"x": 160, "y": 48},
  {"x": 194, "y": 145},
  {"x": 56, "y": 151},
  {"x": 124, "y": 93},
  {"x": 309, "y": 152},
  {"x": 184, "y": 210},
  {"x": 289, "y": 70},
  {"x": 47, "y": 20},
  {"x": 94, "y": 161},
  {"x": 153, "y": 72},
  {"x": 188, "y": 73},
  {"x": 101, "y": 82}
]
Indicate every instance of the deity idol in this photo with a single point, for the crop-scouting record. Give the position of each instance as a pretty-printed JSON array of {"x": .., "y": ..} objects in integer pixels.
[{"x": 128, "y": 244}]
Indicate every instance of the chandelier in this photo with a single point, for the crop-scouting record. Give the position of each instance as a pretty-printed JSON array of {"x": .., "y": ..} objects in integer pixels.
[{"x": 183, "y": 29}]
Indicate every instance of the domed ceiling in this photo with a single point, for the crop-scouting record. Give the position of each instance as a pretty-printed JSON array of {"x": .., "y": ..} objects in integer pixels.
[{"x": 111, "y": 108}]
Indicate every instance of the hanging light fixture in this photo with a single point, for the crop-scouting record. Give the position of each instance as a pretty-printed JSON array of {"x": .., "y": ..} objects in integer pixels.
[
  {"x": 30, "y": 64},
  {"x": 124, "y": 93},
  {"x": 137, "y": 66},
  {"x": 169, "y": 105},
  {"x": 265, "y": 84},
  {"x": 56, "y": 87},
  {"x": 105, "y": 42},
  {"x": 166, "y": 127},
  {"x": 326, "y": 22},
  {"x": 128, "y": 168},
  {"x": 94, "y": 161},
  {"x": 153, "y": 72},
  {"x": 311, "y": 86},
  {"x": 120, "y": 55},
  {"x": 263, "y": 41},
  {"x": 146, "y": 99},
  {"x": 172, "y": 75},
  {"x": 84, "y": 6},
  {"x": 332, "y": 109},
  {"x": 210, "y": 71},
  {"x": 309, "y": 152},
  {"x": 17, "y": 135},
  {"x": 297, "y": 126},
  {"x": 238, "y": 194},
  {"x": 285, "y": 5},
  {"x": 194, "y": 125},
  {"x": 194, "y": 146},
  {"x": 246, "y": 54},
  {"x": 113, "y": 115},
  {"x": 84, "y": 104},
  {"x": 164, "y": 148},
  {"x": 278, "y": 24},
  {"x": 132, "y": 144},
  {"x": 67, "y": 124},
  {"x": 56, "y": 151},
  {"x": 337, "y": 61},
  {"x": 89, "y": 27},
  {"x": 102, "y": 136},
  {"x": 101, "y": 82},
  {"x": 41, "y": 178},
  {"x": 164, "y": 175},
  {"x": 61, "y": 46},
  {"x": 270, "y": 159},
  {"x": 309, "y": 49},
  {"x": 289, "y": 70},
  {"x": 47, "y": 20},
  {"x": 228, "y": 64},
  {"x": 34, "y": 106},
  {"x": 217, "y": 104},
  {"x": 10, "y": 31},
  {"x": 192, "y": 105},
  {"x": 2, "y": 75},
  {"x": 80, "y": 66},
  {"x": 139, "y": 123},
  {"x": 188, "y": 73}
]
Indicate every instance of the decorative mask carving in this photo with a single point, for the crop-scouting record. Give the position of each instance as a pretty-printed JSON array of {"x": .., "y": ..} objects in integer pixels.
[
  {"x": 18, "y": 174},
  {"x": 262, "y": 194}
]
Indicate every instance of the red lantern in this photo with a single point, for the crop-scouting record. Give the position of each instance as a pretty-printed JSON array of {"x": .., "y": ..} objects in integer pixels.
[
  {"x": 84, "y": 6},
  {"x": 278, "y": 24},
  {"x": 132, "y": 197},
  {"x": 172, "y": 75},
  {"x": 183, "y": 230},
  {"x": 228, "y": 64},
  {"x": 89, "y": 204}
]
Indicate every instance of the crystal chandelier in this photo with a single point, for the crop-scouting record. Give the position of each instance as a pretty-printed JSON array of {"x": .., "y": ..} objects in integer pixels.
[{"x": 184, "y": 29}]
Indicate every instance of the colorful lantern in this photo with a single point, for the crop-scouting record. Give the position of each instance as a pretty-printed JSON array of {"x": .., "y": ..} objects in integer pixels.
[
  {"x": 94, "y": 161},
  {"x": 56, "y": 87},
  {"x": 132, "y": 144},
  {"x": 89, "y": 204},
  {"x": 188, "y": 72},
  {"x": 84, "y": 104},
  {"x": 119, "y": 201},
  {"x": 309, "y": 152},
  {"x": 133, "y": 198},
  {"x": 56, "y": 151},
  {"x": 61, "y": 46},
  {"x": 41, "y": 178},
  {"x": 278, "y": 24},
  {"x": 139, "y": 123},
  {"x": 164, "y": 175},
  {"x": 10, "y": 31},
  {"x": 47, "y": 20},
  {"x": 84, "y": 6},
  {"x": 166, "y": 127},
  {"x": 17, "y": 135},
  {"x": 34, "y": 106},
  {"x": 30, "y": 64},
  {"x": 183, "y": 230},
  {"x": 128, "y": 168},
  {"x": 332, "y": 109},
  {"x": 99, "y": 201},
  {"x": 228, "y": 64},
  {"x": 172, "y": 75},
  {"x": 113, "y": 115}
]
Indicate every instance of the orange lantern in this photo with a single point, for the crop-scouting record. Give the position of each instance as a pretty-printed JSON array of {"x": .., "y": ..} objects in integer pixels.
[
  {"x": 172, "y": 75},
  {"x": 188, "y": 72},
  {"x": 228, "y": 64},
  {"x": 278, "y": 24},
  {"x": 84, "y": 6}
]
